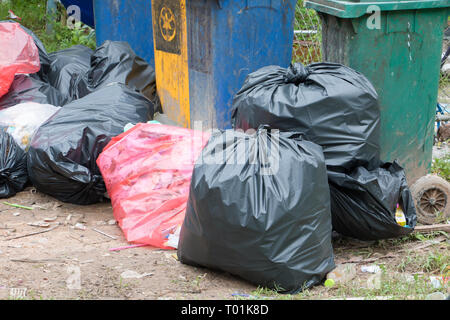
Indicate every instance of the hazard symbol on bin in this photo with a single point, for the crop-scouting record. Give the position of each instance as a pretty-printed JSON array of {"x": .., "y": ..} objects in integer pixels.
[
  {"x": 167, "y": 15},
  {"x": 167, "y": 24}
]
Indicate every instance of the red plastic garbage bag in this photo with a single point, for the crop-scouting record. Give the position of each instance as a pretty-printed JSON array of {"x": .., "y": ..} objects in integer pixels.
[
  {"x": 18, "y": 54},
  {"x": 147, "y": 172}
]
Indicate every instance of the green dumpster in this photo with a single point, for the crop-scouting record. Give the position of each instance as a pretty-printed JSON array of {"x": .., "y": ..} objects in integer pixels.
[{"x": 397, "y": 45}]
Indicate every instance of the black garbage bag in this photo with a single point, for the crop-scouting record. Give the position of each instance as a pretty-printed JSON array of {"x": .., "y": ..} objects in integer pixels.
[
  {"x": 63, "y": 152},
  {"x": 115, "y": 61},
  {"x": 333, "y": 105},
  {"x": 259, "y": 208},
  {"x": 66, "y": 66},
  {"x": 13, "y": 166},
  {"x": 30, "y": 89},
  {"x": 363, "y": 202}
]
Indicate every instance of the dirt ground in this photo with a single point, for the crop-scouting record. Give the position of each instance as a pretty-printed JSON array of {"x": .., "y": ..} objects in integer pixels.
[
  {"x": 48, "y": 264},
  {"x": 69, "y": 263}
]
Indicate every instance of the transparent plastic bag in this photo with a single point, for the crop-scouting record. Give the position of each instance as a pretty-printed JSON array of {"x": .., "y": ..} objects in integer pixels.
[{"x": 22, "y": 121}]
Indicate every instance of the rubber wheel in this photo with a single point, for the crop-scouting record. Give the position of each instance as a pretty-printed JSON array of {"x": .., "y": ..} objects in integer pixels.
[{"x": 432, "y": 199}]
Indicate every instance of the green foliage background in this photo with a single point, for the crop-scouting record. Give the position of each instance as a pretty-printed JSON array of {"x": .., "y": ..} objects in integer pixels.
[{"x": 35, "y": 18}]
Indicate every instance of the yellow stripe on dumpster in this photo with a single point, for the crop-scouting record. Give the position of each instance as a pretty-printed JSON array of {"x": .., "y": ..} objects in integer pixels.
[{"x": 171, "y": 58}]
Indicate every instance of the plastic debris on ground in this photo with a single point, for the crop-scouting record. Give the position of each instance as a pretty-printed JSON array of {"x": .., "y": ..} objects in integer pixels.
[
  {"x": 23, "y": 120},
  {"x": 436, "y": 296},
  {"x": 130, "y": 274},
  {"x": 13, "y": 166},
  {"x": 331, "y": 104},
  {"x": 63, "y": 153},
  {"x": 254, "y": 212},
  {"x": 371, "y": 269},
  {"x": 12, "y": 15},
  {"x": 147, "y": 172},
  {"x": 18, "y": 54},
  {"x": 363, "y": 202},
  {"x": 436, "y": 282},
  {"x": 343, "y": 273}
]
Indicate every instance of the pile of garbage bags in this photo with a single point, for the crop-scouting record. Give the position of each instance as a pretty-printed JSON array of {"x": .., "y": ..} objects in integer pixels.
[
  {"x": 263, "y": 206},
  {"x": 259, "y": 201},
  {"x": 64, "y": 112},
  {"x": 336, "y": 107},
  {"x": 64, "y": 150}
]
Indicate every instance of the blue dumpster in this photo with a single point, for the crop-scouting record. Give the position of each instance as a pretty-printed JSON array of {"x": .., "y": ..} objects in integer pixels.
[
  {"x": 125, "y": 20},
  {"x": 204, "y": 49},
  {"x": 86, "y": 10}
]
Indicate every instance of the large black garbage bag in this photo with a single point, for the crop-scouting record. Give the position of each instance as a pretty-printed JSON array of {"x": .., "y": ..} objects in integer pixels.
[
  {"x": 13, "y": 166},
  {"x": 333, "y": 105},
  {"x": 63, "y": 152},
  {"x": 115, "y": 61},
  {"x": 66, "y": 66},
  {"x": 30, "y": 89},
  {"x": 260, "y": 211},
  {"x": 363, "y": 202}
]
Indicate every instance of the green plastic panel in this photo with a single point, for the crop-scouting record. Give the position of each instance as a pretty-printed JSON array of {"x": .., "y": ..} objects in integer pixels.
[
  {"x": 402, "y": 59},
  {"x": 356, "y": 8}
]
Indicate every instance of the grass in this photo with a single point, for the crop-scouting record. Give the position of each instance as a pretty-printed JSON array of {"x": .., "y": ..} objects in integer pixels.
[
  {"x": 393, "y": 286},
  {"x": 301, "y": 12},
  {"x": 441, "y": 167},
  {"x": 436, "y": 261},
  {"x": 307, "y": 47},
  {"x": 444, "y": 81},
  {"x": 35, "y": 18},
  {"x": 406, "y": 276}
]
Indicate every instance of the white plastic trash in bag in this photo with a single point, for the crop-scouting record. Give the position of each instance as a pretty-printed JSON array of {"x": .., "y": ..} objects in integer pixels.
[{"x": 22, "y": 120}]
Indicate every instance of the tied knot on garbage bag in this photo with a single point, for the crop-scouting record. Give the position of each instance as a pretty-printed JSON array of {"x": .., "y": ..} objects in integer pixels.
[
  {"x": 270, "y": 228},
  {"x": 297, "y": 73},
  {"x": 336, "y": 107}
]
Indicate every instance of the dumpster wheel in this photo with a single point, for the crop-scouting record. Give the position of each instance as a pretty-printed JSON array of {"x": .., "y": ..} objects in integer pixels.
[{"x": 432, "y": 199}]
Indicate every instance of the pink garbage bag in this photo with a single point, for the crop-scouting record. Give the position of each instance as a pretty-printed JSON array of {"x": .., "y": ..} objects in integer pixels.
[
  {"x": 18, "y": 54},
  {"x": 147, "y": 172}
]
